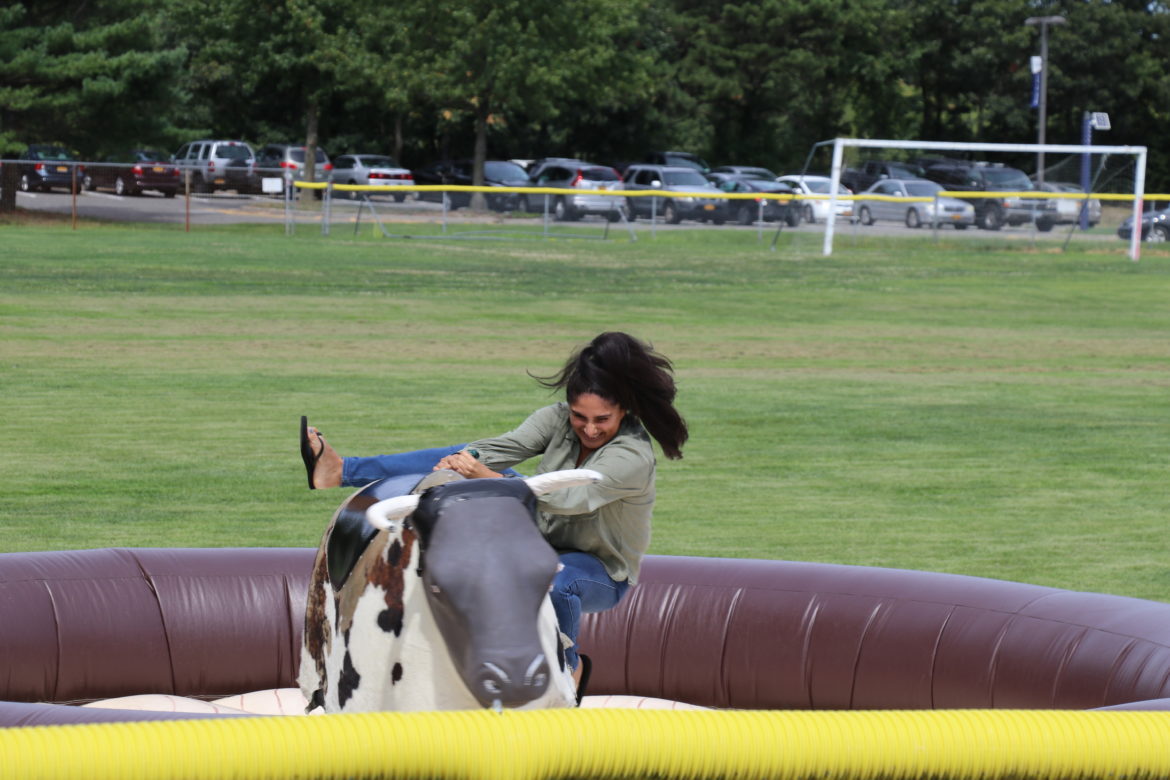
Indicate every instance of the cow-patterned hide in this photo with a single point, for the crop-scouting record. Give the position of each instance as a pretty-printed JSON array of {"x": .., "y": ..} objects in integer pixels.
[{"x": 374, "y": 644}]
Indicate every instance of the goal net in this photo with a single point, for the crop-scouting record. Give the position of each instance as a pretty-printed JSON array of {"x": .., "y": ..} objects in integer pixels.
[{"x": 1114, "y": 175}]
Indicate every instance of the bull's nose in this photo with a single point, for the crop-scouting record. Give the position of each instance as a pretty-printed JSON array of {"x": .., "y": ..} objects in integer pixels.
[{"x": 513, "y": 685}]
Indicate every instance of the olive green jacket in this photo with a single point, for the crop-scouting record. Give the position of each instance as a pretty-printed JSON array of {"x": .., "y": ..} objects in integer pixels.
[{"x": 610, "y": 519}]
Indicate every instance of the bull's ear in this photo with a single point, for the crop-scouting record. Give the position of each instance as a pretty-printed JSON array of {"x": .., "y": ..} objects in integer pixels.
[
  {"x": 383, "y": 514},
  {"x": 558, "y": 480}
]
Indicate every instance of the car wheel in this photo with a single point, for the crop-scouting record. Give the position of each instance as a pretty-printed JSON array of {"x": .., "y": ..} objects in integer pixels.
[
  {"x": 119, "y": 187},
  {"x": 912, "y": 219},
  {"x": 809, "y": 216},
  {"x": 670, "y": 213},
  {"x": 631, "y": 213},
  {"x": 169, "y": 193},
  {"x": 1044, "y": 225},
  {"x": 1158, "y": 234},
  {"x": 399, "y": 197},
  {"x": 791, "y": 216},
  {"x": 743, "y": 215},
  {"x": 613, "y": 215},
  {"x": 198, "y": 184},
  {"x": 864, "y": 217},
  {"x": 562, "y": 211},
  {"x": 960, "y": 227},
  {"x": 991, "y": 218},
  {"x": 25, "y": 184},
  {"x": 88, "y": 184}
]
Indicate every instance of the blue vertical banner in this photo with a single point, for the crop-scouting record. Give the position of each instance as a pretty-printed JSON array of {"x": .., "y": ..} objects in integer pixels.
[{"x": 1037, "y": 64}]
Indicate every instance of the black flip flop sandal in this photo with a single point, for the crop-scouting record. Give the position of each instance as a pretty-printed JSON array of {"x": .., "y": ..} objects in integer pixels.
[{"x": 307, "y": 455}]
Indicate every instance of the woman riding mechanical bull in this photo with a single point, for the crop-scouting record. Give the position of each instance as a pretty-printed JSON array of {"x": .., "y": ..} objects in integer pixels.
[{"x": 619, "y": 393}]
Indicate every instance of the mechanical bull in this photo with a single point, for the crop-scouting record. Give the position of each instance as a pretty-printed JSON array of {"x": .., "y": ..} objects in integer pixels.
[{"x": 437, "y": 599}]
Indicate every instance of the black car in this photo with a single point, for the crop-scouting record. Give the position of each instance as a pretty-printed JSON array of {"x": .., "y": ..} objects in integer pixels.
[
  {"x": 1155, "y": 226},
  {"x": 133, "y": 172},
  {"x": 746, "y": 211},
  {"x": 45, "y": 166},
  {"x": 496, "y": 173}
]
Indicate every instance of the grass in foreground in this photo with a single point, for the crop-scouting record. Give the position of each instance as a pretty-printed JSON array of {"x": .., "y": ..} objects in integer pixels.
[{"x": 901, "y": 404}]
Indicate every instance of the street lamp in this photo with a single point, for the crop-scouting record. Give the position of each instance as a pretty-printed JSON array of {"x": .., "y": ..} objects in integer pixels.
[{"x": 1043, "y": 22}]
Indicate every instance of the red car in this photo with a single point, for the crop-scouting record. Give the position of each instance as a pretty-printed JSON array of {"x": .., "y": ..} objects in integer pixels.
[{"x": 134, "y": 172}]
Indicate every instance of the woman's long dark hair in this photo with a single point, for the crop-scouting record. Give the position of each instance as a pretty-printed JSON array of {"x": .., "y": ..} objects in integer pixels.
[{"x": 627, "y": 372}]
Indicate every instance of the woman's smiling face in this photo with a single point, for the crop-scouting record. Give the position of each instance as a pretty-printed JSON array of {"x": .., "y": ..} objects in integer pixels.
[{"x": 594, "y": 420}]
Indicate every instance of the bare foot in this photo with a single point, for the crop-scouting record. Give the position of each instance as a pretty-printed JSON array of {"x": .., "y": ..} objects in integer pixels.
[{"x": 327, "y": 472}]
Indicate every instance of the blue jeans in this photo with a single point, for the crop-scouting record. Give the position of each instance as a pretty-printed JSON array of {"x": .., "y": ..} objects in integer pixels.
[
  {"x": 582, "y": 586},
  {"x": 359, "y": 472}
]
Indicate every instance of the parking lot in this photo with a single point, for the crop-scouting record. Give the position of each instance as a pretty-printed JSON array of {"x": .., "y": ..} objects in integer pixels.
[{"x": 228, "y": 208}]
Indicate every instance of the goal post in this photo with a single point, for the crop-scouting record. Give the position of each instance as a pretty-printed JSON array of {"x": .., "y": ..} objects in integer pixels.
[{"x": 840, "y": 144}]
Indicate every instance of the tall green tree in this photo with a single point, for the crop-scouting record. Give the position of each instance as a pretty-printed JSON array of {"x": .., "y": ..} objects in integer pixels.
[
  {"x": 494, "y": 62},
  {"x": 95, "y": 76},
  {"x": 266, "y": 71}
]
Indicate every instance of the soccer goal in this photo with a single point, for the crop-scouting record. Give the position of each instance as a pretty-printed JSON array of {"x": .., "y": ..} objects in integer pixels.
[{"x": 1081, "y": 153}]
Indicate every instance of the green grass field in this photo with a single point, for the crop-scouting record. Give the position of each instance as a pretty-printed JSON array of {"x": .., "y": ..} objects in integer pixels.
[{"x": 951, "y": 407}]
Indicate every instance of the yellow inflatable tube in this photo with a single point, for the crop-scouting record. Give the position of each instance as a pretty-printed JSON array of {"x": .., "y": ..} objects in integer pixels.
[{"x": 606, "y": 744}]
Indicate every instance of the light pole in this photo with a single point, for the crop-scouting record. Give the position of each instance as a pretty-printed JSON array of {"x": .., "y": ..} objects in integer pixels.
[{"x": 1043, "y": 22}]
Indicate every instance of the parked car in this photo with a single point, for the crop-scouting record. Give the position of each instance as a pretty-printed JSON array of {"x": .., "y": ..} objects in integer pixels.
[
  {"x": 891, "y": 206},
  {"x": 133, "y": 172},
  {"x": 570, "y": 174},
  {"x": 678, "y": 160},
  {"x": 747, "y": 171},
  {"x": 278, "y": 160},
  {"x": 217, "y": 165},
  {"x": 994, "y": 213},
  {"x": 865, "y": 175},
  {"x": 746, "y": 212},
  {"x": 45, "y": 166},
  {"x": 1155, "y": 226},
  {"x": 673, "y": 208},
  {"x": 817, "y": 209},
  {"x": 1068, "y": 210},
  {"x": 496, "y": 173},
  {"x": 380, "y": 170}
]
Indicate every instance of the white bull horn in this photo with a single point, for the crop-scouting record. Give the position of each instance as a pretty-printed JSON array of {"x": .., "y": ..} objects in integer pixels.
[
  {"x": 383, "y": 514},
  {"x": 558, "y": 480}
]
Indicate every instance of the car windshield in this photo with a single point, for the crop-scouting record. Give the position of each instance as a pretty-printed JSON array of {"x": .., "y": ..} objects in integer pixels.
[
  {"x": 379, "y": 162},
  {"x": 1007, "y": 179},
  {"x": 905, "y": 171},
  {"x": 684, "y": 179},
  {"x": 298, "y": 153},
  {"x": 503, "y": 171},
  {"x": 600, "y": 174},
  {"x": 821, "y": 187},
  {"x": 149, "y": 155},
  {"x": 687, "y": 161},
  {"x": 922, "y": 189},
  {"x": 233, "y": 152},
  {"x": 51, "y": 153}
]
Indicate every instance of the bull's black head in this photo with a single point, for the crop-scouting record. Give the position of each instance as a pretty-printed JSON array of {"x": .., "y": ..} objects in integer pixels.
[{"x": 487, "y": 570}]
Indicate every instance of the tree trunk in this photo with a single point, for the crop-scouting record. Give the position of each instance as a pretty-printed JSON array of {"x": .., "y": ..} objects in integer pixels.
[
  {"x": 397, "y": 155},
  {"x": 9, "y": 181},
  {"x": 478, "y": 201},
  {"x": 311, "y": 141}
]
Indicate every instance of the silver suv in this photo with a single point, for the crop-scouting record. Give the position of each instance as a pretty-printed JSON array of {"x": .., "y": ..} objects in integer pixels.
[
  {"x": 994, "y": 213},
  {"x": 217, "y": 165},
  {"x": 673, "y": 208},
  {"x": 570, "y": 174}
]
